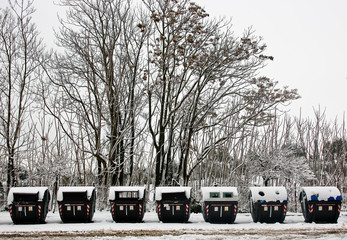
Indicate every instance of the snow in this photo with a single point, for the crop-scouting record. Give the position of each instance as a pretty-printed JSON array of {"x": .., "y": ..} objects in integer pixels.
[
  {"x": 103, "y": 227},
  {"x": 112, "y": 190},
  {"x": 322, "y": 193},
  {"x": 89, "y": 191},
  {"x": 268, "y": 194},
  {"x": 26, "y": 190},
  {"x": 160, "y": 190},
  {"x": 207, "y": 190}
]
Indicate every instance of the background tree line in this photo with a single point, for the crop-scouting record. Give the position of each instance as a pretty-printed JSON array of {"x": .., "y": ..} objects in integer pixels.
[{"x": 153, "y": 92}]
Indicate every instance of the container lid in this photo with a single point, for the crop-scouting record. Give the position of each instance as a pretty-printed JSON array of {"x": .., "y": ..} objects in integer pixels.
[
  {"x": 160, "y": 190},
  {"x": 26, "y": 190},
  {"x": 113, "y": 190},
  {"x": 88, "y": 189},
  {"x": 268, "y": 194},
  {"x": 322, "y": 193},
  {"x": 219, "y": 194}
]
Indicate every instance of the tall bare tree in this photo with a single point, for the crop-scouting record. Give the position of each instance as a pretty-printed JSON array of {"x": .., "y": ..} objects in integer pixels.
[
  {"x": 199, "y": 76},
  {"x": 20, "y": 52},
  {"x": 96, "y": 82}
]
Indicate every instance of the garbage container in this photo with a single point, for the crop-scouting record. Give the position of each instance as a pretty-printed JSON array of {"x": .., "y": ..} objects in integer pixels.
[
  {"x": 219, "y": 204},
  {"x": 268, "y": 204},
  {"x": 128, "y": 204},
  {"x": 173, "y": 203},
  {"x": 76, "y": 204},
  {"x": 28, "y": 204},
  {"x": 320, "y": 204}
]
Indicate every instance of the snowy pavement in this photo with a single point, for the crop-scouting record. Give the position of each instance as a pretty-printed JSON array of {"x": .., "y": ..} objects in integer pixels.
[{"x": 103, "y": 227}]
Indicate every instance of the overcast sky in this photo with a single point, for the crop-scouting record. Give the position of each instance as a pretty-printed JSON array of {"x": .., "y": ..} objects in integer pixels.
[{"x": 307, "y": 38}]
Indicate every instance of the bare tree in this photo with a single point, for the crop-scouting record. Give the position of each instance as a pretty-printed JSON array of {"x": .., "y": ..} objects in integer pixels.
[
  {"x": 20, "y": 52},
  {"x": 199, "y": 76},
  {"x": 95, "y": 82}
]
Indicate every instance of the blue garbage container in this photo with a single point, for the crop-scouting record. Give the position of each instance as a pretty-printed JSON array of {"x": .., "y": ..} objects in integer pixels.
[
  {"x": 268, "y": 204},
  {"x": 320, "y": 204}
]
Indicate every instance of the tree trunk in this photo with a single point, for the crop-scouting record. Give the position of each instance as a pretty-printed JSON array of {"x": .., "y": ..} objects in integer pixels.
[
  {"x": 11, "y": 178},
  {"x": 159, "y": 156}
]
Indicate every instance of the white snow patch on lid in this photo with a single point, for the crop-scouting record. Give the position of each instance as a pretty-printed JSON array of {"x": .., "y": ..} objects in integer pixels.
[
  {"x": 222, "y": 193},
  {"x": 322, "y": 193},
  {"x": 26, "y": 190},
  {"x": 268, "y": 194},
  {"x": 112, "y": 190},
  {"x": 87, "y": 189},
  {"x": 160, "y": 190}
]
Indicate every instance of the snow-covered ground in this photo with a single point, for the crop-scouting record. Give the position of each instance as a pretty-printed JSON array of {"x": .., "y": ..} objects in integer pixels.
[{"x": 103, "y": 227}]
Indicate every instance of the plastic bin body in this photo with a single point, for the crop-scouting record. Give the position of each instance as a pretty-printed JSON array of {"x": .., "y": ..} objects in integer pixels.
[
  {"x": 174, "y": 206},
  {"x": 268, "y": 204},
  {"x": 219, "y": 212},
  {"x": 268, "y": 212},
  {"x": 128, "y": 206},
  {"x": 320, "y": 209},
  {"x": 29, "y": 208},
  {"x": 77, "y": 207}
]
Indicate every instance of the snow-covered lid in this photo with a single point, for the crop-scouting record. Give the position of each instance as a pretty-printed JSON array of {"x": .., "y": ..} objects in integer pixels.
[
  {"x": 113, "y": 190},
  {"x": 268, "y": 194},
  {"x": 160, "y": 190},
  {"x": 219, "y": 194},
  {"x": 26, "y": 190},
  {"x": 87, "y": 189},
  {"x": 322, "y": 193}
]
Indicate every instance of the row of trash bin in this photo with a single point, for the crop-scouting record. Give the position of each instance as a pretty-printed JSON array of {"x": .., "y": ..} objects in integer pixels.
[{"x": 173, "y": 204}]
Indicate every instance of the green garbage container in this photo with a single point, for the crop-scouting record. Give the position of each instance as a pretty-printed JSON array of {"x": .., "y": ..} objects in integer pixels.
[{"x": 219, "y": 204}]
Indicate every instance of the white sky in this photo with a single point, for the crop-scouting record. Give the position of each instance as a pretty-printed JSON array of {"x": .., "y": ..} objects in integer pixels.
[{"x": 307, "y": 38}]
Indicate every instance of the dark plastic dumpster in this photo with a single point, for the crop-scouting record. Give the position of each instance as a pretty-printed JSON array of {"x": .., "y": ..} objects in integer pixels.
[
  {"x": 28, "y": 204},
  {"x": 268, "y": 204},
  {"x": 173, "y": 203},
  {"x": 320, "y": 204},
  {"x": 128, "y": 204},
  {"x": 76, "y": 204},
  {"x": 219, "y": 204}
]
